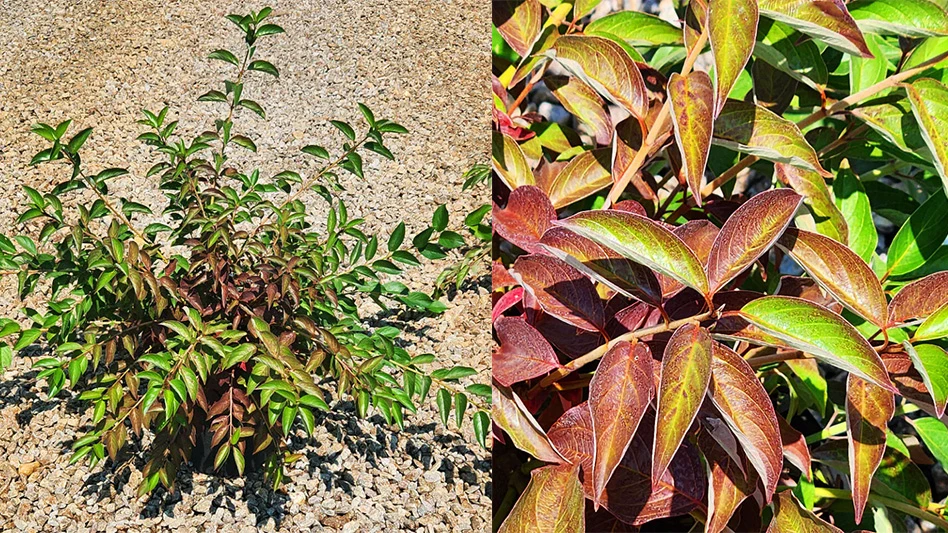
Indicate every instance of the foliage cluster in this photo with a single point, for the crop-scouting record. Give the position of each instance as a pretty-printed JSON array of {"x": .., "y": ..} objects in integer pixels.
[
  {"x": 220, "y": 325},
  {"x": 677, "y": 353}
]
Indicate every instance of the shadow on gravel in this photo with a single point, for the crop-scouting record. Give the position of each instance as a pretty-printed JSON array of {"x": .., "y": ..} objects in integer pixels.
[{"x": 16, "y": 391}]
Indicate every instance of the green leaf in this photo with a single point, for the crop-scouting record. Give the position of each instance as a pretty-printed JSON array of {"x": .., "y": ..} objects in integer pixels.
[
  {"x": 864, "y": 71},
  {"x": 929, "y": 100},
  {"x": 920, "y": 237},
  {"x": 636, "y": 28},
  {"x": 786, "y": 50},
  {"x": 264, "y": 66},
  {"x": 268, "y": 29},
  {"x": 27, "y": 337},
  {"x": 367, "y": 113},
  {"x": 443, "y": 400},
  {"x": 732, "y": 29},
  {"x": 78, "y": 140},
  {"x": 314, "y": 401},
  {"x": 935, "y": 436},
  {"x": 460, "y": 406},
  {"x": 481, "y": 424},
  {"x": 606, "y": 67},
  {"x": 344, "y": 128},
  {"x": 225, "y": 55},
  {"x": 934, "y": 327},
  {"x": 244, "y": 142},
  {"x": 253, "y": 106},
  {"x": 397, "y": 237},
  {"x": 317, "y": 151},
  {"x": 931, "y": 362},
  {"x": 909, "y": 18},
  {"x": 854, "y": 205},
  {"x": 439, "y": 220},
  {"x": 179, "y": 328}
]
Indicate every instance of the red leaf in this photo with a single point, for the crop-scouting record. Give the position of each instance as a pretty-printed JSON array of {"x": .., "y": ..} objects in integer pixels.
[
  {"x": 526, "y": 217},
  {"x": 619, "y": 393},
  {"x": 795, "y": 448},
  {"x": 561, "y": 290},
  {"x": 505, "y": 302},
  {"x": 731, "y": 481},
  {"x": 523, "y": 352},
  {"x": 868, "y": 410}
]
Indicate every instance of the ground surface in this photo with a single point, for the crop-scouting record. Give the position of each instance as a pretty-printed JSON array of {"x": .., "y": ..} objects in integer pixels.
[{"x": 420, "y": 63}]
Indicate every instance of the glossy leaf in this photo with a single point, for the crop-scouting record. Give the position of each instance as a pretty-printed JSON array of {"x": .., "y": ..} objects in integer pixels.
[
  {"x": 642, "y": 241},
  {"x": 815, "y": 330},
  {"x": 868, "y": 411},
  {"x": 745, "y": 127},
  {"x": 731, "y": 481},
  {"x": 935, "y": 436},
  {"x": 585, "y": 174},
  {"x": 584, "y": 103},
  {"x": 561, "y": 290},
  {"x": 827, "y": 218},
  {"x": 929, "y": 100},
  {"x": 931, "y": 362},
  {"x": 840, "y": 272},
  {"x": 606, "y": 67},
  {"x": 519, "y": 22},
  {"x": 827, "y": 20},
  {"x": 890, "y": 118},
  {"x": 509, "y": 413},
  {"x": 920, "y": 237},
  {"x": 692, "y": 105},
  {"x": 787, "y": 51},
  {"x": 551, "y": 503},
  {"x": 604, "y": 265},
  {"x": 732, "y": 31},
  {"x": 789, "y": 515},
  {"x": 749, "y": 233},
  {"x": 523, "y": 352},
  {"x": 635, "y": 28},
  {"x": 526, "y": 217},
  {"x": 919, "y": 299},
  {"x": 897, "y": 477},
  {"x": 854, "y": 205},
  {"x": 746, "y": 407},
  {"x": 509, "y": 162},
  {"x": 685, "y": 374},
  {"x": 795, "y": 448},
  {"x": 864, "y": 72},
  {"x": 933, "y": 327},
  {"x": 910, "y": 18},
  {"x": 619, "y": 393}
]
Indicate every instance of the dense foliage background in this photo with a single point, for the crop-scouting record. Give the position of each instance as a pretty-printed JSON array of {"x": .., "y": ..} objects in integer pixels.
[{"x": 720, "y": 287}]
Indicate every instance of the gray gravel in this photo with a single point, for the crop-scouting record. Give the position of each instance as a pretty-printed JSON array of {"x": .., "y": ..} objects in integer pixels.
[{"x": 420, "y": 63}]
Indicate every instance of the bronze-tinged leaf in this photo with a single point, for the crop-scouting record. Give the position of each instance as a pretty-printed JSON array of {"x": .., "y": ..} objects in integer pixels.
[
  {"x": 810, "y": 328},
  {"x": 619, "y": 394},
  {"x": 868, "y": 411},
  {"x": 794, "y": 447},
  {"x": 523, "y": 353},
  {"x": 929, "y": 100},
  {"x": 731, "y": 481},
  {"x": 732, "y": 31},
  {"x": 749, "y": 128},
  {"x": 808, "y": 289},
  {"x": 582, "y": 102},
  {"x": 827, "y": 20},
  {"x": 604, "y": 265},
  {"x": 572, "y": 434},
  {"x": 827, "y": 218},
  {"x": 606, "y": 67},
  {"x": 749, "y": 233},
  {"x": 526, "y": 217},
  {"x": 699, "y": 235},
  {"x": 685, "y": 374},
  {"x": 585, "y": 174},
  {"x": 643, "y": 241},
  {"x": 909, "y": 382},
  {"x": 789, "y": 515},
  {"x": 561, "y": 290},
  {"x": 692, "y": 106},
  {"x": 509, "y": 413},
  {"x": 840, "y": 272},
  {"x": 552, "y": 503},
  {"x": 746, "y": 407},
  {"x": 919, "y": 299},
  {"x": 519, "y": 22},
  {"x": 509, "y": 162}
]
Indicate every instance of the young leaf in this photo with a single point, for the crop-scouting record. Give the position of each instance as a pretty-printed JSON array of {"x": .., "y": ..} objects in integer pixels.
[
  {"x": 929, "y": 100},
  {"x": 919, "y": 299},
  {"x": 749, "y": 233},
  {"x": 553, "y": 502},
  {"x": 561, "y": 290},
  {"x": 828, "y": 21},
  {"x": 685, "y": 374},
  {"x": 931, "y": 362},
  {"x": 789, "y": 515},
  {"x": 619, "y": 393},
  {"x": 692, "y": 106},
  {"x": 732, "y": 31},
  {"x": 512, "y": 416},
  {"x": 920, "y": 237},
  {"x": 748, "y": 412},
  {"x": 815, "y": 330},
  {"x": 525, "y": 219},
  {"x": 523, "y": 352},
  {"x": 643, "y": 241},
  {"x": 840, "y": 272},
  {"x": 868, "y": 410},
  {"x": 606, "y": 67},
  {"x": 509, "y": 162}
]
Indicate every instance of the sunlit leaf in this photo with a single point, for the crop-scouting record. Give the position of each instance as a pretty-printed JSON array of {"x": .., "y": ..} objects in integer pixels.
[
  {"x": 509, "y": 162},
  {"x": 929, "y": 100},
  {"x": 789, "y": 515},
  {"x": 746, "y": 407},
  {"x": 931, "y": 362},
  {"x": 891, "y": 117},
  {"x": 920, "y": 237},
  {"x": 509, "y": 413},
  {"x": 933, "y": 327},
  {"x": 827, "y": 217},
  {"x": 584, "y": 103},
  {"x": 919, "y": 299},
  {"x": 619, "y": 393},
  {"x": 561, "y": 290},
  {"x": 552, "y": 503},
  {"x": 523, "y": 352},
  {"x": 518, "y": 21},
  {"x": 815, "y": 330},
  {"x": 865, "y": 72},
  {"x": 606, "y": 67},
  {"x": 745, "y": 127},
  {"x": 910, "y": 18},
  {"x": 685, "y": 374},
  {"x": 868, "y": 410},
  {"x": 827, "y": 20},
  {"x": 732, "y": 31},
  {"x": 749, "y": 233},
  {"x": 526, "y": 217},
  {"x": 643, "y": 241},
  {"x": 585, "y": 174},
  {"x": 636, "y": 28},
  {"x": 692, "y": 105}
]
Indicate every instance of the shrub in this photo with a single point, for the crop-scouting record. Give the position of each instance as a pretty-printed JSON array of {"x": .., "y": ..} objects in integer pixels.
[
  {"x": 221, "y": 326},
  {"x": 720, "y": 298}
]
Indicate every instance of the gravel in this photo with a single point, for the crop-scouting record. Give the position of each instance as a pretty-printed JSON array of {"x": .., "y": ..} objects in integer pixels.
[{"x": 422, "y": 64}]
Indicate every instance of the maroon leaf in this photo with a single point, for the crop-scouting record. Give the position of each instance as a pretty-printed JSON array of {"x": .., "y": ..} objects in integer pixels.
[
  {"x": 746, "y": 407},
  {"x": 561, "y": 290},
  {"x": 731, "y": 481},
  {"x": 552, "y": 502},
  {"x": 868, "y": 411},
  {"x": 619, "y": 393},
  {"x": 572, "y": 434},
  {"x": 527, "y": 216},
  {"x": 794, "y": 447},
  {"x": 749, "y": 233},
  {"x": 505, "y": 302},
  {"x": 685, "y": 374},
  {"x": 919, "y": 299},
  {"x": 808, "y": 289},
  {"x": 523, "y": 352},
  {"x": 699, "y": 235}
]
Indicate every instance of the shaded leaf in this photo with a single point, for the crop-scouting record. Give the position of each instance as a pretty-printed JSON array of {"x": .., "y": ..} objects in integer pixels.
[
  {"x": 786, "y": 50},
  {"x": 827, "y": 20},
  {"x": 794, "y": 447},
  {"x": 606, "y": 67},
  {"x": 509, "y": 413},
  {"x": 552, "y": 503},
  {"x": 891, "y": 117},
  {"x": 582, "y": 101},
  {"x": 868, "y": 410},
  {"x": 920, "y": 237},
  {"x": 523, "y": 352},
  {"x": 561, "y": 290},
  {"x": 526, "y": 217},
  {"x": 732, "y": 31},
  {"x": 692, "y": 105},
  {"x": 731, "y": 481},
  {"x": 931, "y": 362}
]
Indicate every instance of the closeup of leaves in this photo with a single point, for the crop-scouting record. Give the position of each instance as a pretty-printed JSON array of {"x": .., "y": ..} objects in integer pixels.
[
  {"x": 230, "y": 320},
  {"x": 720, "y": 265}
]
